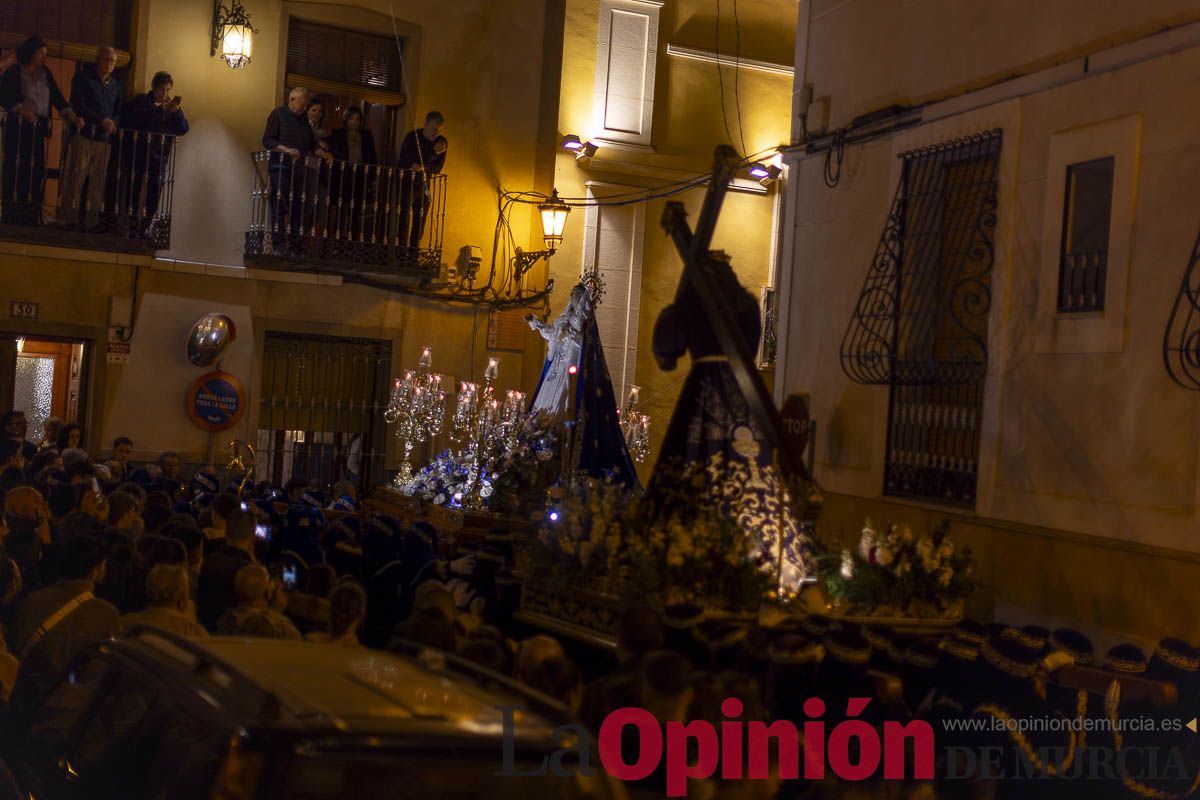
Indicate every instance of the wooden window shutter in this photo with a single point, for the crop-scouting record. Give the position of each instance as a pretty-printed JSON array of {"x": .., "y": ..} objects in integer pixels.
[
  {"x": 86, "y": 23},
  {"x": 334, "y": 55}
]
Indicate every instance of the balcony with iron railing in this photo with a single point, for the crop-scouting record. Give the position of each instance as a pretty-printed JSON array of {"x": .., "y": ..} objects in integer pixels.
[
  {"x": 364, "y": 221},
  {"x": 85, "y": 189}
]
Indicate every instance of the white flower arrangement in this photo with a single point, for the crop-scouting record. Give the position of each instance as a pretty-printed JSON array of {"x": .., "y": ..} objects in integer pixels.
[
  {"x": 898, "y": 571},
  {"x": 510, "y": 465}
]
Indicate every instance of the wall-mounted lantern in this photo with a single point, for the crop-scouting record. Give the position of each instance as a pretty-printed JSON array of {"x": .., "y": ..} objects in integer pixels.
[{"x": 232, "y": 34}]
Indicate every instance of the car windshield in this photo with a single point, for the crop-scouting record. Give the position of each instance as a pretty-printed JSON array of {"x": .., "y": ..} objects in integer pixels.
[{"x": 445, "y": 775}]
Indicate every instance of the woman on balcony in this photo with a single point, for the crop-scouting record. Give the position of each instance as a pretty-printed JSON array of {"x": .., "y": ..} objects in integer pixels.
[
  {"x": 353, "y": 147},
  {"x": 27, "y": 93}
]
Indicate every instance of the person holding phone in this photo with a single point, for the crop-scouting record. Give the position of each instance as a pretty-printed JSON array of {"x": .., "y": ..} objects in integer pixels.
[{"x": 152, "y": 120}]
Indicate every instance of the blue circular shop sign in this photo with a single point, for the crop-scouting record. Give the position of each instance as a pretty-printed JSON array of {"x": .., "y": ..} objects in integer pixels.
[{"x": 216, "y": 401}]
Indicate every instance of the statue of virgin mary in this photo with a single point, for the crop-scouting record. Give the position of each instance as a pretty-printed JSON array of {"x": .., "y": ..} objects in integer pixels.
[
  {"x": 564, "y": 339},
  {"x": 590, "y": 414}
]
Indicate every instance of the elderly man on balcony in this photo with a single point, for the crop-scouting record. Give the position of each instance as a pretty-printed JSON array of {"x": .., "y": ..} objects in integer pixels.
[
  {"x": 289, "y": 140},
  {"x": 27, "y": 93},
  {"x": 96, "y": 97}
]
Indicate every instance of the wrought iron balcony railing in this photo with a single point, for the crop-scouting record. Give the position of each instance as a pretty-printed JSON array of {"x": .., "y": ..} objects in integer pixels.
[
  {"x": 85, "y": 188},
  {"x": 349, "y": 218}
]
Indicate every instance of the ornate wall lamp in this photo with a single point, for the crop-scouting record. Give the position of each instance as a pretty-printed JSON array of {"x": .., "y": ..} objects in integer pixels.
[
  {"x": 554, "y": 219},
  {"x": 232, "y": 34}
]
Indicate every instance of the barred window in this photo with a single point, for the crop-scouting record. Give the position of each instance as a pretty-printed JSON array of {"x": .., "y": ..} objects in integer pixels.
[
  {"x": 1083, "y": 254},
  {"x": 321, "y": 410},
  {"x": 920, "y": 325}
]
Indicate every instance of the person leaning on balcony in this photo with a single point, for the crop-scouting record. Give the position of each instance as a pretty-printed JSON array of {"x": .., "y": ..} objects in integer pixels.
[
  {"x": 96, "y": 97},
  {"x": 289, "y": 138},
  {"x": 157, "y": 119},
  {"x": 422, "y": 153},
  {"x": 27, "y": 91}
]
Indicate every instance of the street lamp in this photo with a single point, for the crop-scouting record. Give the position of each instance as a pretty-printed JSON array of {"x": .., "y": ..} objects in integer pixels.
[{"x": 554, "y": 220}]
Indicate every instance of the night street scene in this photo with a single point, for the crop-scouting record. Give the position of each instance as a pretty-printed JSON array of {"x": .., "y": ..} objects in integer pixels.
[{"x": 599, "y": 399}]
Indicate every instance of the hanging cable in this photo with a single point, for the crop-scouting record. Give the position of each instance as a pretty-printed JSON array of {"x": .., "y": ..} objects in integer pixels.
[
  {"x": 833, "y": 159},
  {"x": 720, "y": 76},
  {"x": 737, "y": 69},
  {"x": 404, "y": 87}
]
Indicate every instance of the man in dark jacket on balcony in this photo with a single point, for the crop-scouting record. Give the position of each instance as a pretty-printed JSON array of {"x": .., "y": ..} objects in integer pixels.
[
  {"x": 152, "y": 121},
  {"x": 96, "y": 98},
  {"x": 289, "y": 140},
  {"x": 27, "y": 92},
  {"x": 422, "y": 153}
]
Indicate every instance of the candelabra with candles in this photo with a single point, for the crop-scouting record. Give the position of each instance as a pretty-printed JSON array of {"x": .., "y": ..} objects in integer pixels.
[
  {"x": 417, "y": 407},
  {"x": 482, "y": 422},
  {"x": 635, "y": 426}
]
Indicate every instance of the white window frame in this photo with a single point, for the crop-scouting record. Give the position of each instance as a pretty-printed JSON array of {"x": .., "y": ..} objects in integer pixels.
[
  {"x": 1092, "y": 331},
  {"x": 606, "y": 93}
]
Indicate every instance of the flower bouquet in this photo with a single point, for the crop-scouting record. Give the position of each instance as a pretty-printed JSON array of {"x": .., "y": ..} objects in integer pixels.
[
  {"x": 601, "y": 535},
  {"x": 898, "y": 574},
  {"x": 513, "y": 467}
]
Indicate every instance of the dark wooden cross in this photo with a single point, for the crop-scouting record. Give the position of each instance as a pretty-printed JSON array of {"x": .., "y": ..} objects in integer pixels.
[{"x": 693, "y": 247}]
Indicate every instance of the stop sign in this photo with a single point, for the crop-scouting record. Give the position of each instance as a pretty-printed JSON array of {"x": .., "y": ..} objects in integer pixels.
[{"x": 794, "y": 415}]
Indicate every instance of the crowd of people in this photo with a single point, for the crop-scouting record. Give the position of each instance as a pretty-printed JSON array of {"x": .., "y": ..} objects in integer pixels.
[{"x": 92, "y": 548}]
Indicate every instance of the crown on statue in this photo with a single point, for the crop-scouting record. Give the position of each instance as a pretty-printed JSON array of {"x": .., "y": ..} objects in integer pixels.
[{"x": 594, "y": 283}]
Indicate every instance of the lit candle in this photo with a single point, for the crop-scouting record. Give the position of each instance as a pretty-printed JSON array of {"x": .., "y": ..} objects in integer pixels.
[
  {"x": 493, "y": 369},
  {"x": 426, "y": 357}
]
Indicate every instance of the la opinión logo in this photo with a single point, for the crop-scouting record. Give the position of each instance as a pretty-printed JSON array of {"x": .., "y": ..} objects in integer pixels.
[{"x": 735, "y": 749}]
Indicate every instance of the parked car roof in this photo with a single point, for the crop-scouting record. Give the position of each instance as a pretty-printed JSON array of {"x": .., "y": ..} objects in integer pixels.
[{"x": 352, "y": 690}]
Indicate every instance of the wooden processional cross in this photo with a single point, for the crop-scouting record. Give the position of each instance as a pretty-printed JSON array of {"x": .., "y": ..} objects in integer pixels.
[{"x": 693, "y": 247}]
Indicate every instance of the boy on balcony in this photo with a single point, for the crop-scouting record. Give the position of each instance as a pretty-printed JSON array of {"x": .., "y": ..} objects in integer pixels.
[
  {"x": 152, "y": 121},
  {"x": 96, "y": 97}
]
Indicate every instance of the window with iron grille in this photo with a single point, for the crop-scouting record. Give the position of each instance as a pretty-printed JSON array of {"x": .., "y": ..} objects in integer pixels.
[
  {"x": 920, "y": 324},
  {"x": 768, "y": 343},
  {"x": 321, "y": 411},
  {"x": 1083, "y": 254},
  {"x": 947, "y": 234}
]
